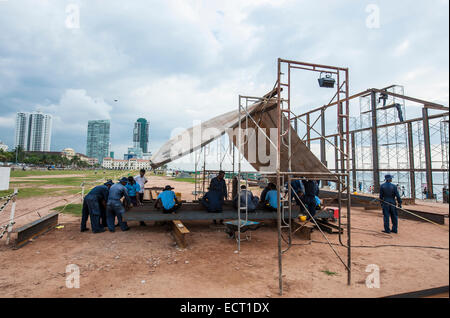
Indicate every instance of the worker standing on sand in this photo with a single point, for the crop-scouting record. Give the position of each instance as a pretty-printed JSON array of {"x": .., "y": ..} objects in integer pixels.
[
  {"x": 311, "y": 191},
  {"x": 168, "y": 200},
  {"x": 388, "y": 194},
  {"x": 219, "y": 186},
  {"x": 92, "y": 206},
  {"x": 141, "y": 180},
  {"x": 114, "y": 207}
]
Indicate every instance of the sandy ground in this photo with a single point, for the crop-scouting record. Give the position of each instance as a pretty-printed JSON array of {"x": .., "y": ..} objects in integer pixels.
[{"x": 145, "y": 262}]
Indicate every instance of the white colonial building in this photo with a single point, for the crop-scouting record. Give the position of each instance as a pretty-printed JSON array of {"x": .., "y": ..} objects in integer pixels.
[{"x": 130, "y": 164}]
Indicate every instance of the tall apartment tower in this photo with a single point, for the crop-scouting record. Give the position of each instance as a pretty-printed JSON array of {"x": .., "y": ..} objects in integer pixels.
[
  {"x": 97, "y": 145},
  {"x": 140, "y": 134},
  {"x": 33, "y": 131}
]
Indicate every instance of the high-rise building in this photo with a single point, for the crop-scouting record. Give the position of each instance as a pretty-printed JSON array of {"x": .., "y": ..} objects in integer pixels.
[
  {"x": 33, "y": 131},
  {"x": 97, "y": 145},
  {"x": 140, "y": 134}
]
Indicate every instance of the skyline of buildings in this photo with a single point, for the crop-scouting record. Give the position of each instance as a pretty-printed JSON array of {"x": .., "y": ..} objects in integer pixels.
[
  {"x": 97, "y": 145},
  {"x": 140, "y": 134},
  {"x": 33, "y": 131}
]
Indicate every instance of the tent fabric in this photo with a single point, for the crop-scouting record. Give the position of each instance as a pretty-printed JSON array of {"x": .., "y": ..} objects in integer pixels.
[{"x": 257, "y": 150}]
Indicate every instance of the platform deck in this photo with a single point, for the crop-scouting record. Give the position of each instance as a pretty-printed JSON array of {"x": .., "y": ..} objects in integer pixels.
[{"x": 194, "y": 211}]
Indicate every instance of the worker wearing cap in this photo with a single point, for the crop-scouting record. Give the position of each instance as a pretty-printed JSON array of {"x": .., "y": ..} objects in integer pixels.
[
  {"x": 93, "y": 205},
  {"x": 114, "y": 207},
  {"x": 388, "y": 194},
  {"x": 168, "y": 200}
]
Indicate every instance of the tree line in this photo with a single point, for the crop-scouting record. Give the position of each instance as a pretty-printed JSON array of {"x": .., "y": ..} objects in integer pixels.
[{"x": 41, "y": 159}]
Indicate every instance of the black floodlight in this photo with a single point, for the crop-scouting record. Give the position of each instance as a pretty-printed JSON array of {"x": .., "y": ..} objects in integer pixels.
[{"x": 326, "y": 81}]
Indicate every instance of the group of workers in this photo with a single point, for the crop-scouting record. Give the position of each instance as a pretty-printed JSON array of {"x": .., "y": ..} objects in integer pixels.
[
  {"x": 304, "y": 192},
  {"x": 103, "y": 203}
]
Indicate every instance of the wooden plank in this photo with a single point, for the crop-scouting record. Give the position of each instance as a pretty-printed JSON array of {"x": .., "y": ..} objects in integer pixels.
[
  {"x": 35, "y": 228},
  {"x": 302, "y": 230},
  {"x": 179, "y": 233}
]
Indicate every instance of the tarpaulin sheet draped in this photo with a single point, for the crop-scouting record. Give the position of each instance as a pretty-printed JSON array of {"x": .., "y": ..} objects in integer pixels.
[{"x": 257, "y": 149}]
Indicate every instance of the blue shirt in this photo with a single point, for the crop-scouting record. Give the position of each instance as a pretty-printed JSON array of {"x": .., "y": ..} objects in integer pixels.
[
  {"x": 100, "y": 192},
  {"x": 116, "y": 192},
  {"x": 388, "y": 193},
  {"x": 272, "y": 197},
  {"x": 167, "y": 198},
  {"x": 297, "y": 186},
  {"x": 132, "y": 189}
]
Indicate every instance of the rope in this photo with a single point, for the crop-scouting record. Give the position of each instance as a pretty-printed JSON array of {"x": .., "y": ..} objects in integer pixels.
[{"x": 418, "y": 216}]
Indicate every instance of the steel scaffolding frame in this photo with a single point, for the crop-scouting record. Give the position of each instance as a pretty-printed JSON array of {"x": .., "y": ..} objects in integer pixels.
[
  {"x": 342, "y": 147},
  {"x": 421, "y": 164}
]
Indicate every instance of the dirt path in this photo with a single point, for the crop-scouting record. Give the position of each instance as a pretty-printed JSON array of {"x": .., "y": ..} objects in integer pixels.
[{"x": 144, "y": 262}]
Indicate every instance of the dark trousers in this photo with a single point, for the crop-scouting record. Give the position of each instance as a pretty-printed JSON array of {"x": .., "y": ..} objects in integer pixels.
[
  {"x": 84, "y": 215},
  {"x": 390, "y": 212},
  {"x": 173, "y": 209},
  {"x": 270, "y": 208},
  {"x": 114, "y": 210},
  {"x": 91, "y": 208},
  {"x": 310, "y": 203}
]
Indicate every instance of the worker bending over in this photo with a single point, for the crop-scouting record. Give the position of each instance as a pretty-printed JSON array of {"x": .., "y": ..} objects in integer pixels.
[
  {"x": 388, "y": 194},
  {"x": 168, "y": 200},
  {"x": 94, "y": 205},
  {"x": 114, "y": 207},
  {"x": 247, "y": 199}
]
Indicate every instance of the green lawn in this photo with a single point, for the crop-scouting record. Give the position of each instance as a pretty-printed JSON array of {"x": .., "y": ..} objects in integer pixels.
[
  {"x": 192, "y": 180},
  {"x": 34, "y": 187},
  {"x": 74, "y": 209}
]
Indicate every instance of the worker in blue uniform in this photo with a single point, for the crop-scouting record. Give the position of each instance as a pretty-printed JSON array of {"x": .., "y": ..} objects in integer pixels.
[
  {"x": 298, "y": 190},
  {"x": 218, "y": 188},
  {"x": 168, "y": 200},
  {"x": 311, "y": 191},
  {"x": 212, "y": 201},
  {"x": 94, "y": 204},
  {"x": 247, "y": 199},
  {"x": 388, "y": 194},
  {"x": 114, "y": 207},
  {"x": 272, "y": 198}
]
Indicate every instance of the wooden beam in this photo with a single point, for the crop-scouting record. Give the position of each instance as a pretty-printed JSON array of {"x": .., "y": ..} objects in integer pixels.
[{"x": 179, "y": 233}]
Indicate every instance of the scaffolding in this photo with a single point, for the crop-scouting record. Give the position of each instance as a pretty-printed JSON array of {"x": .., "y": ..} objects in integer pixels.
[{"x": 288, "y": 123}]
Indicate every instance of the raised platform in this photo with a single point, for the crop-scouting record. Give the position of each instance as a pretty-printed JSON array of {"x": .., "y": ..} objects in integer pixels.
[{"x": 196, "y": 212}]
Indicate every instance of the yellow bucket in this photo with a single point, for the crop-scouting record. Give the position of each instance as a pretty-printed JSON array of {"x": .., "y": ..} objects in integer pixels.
[
  {"x": 302, "y": 218},
  {"x": 178, "y": 195}
]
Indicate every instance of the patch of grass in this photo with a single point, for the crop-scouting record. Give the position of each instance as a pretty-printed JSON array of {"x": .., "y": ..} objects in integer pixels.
[
  {"x": 192, "y": 180},
  {"x": 328, "y": 273},
  {"x": 74, "y": 209}
]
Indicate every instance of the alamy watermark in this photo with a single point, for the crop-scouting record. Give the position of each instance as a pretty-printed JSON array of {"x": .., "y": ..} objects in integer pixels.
[
  {"x": 373, "y": 279},
  {"x": 72, "y": 276},
  {"x": 373, "y": 19}
]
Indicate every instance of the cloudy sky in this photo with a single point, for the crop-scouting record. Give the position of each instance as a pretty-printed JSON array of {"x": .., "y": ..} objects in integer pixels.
[{"x": 174, "y": 62}]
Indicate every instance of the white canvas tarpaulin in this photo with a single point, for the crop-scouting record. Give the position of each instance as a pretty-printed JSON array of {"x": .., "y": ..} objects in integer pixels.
[{"x": 255, "y": 134}]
